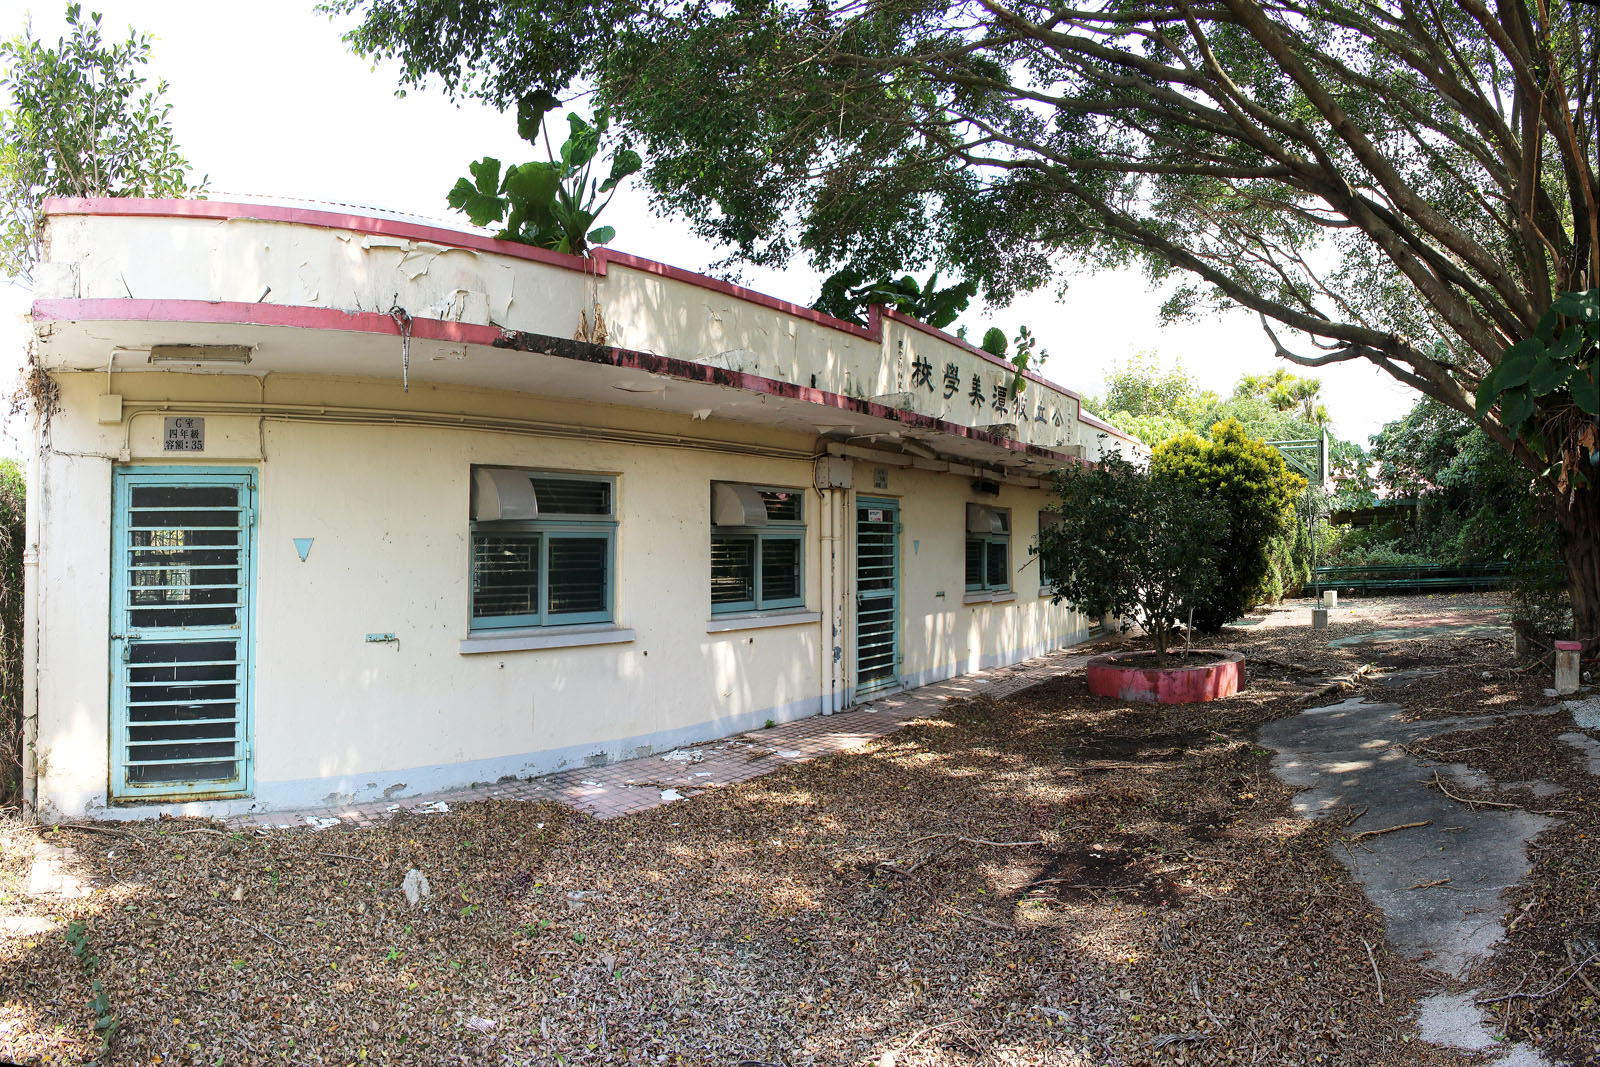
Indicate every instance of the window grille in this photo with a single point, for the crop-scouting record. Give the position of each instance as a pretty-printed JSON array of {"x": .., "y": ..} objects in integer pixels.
[
  {"x": 552, "y": 570},
  {"x": 1048, "y": 520},
  {"x": 988, "y": 562},
  {"x": 757, "y": 559}
]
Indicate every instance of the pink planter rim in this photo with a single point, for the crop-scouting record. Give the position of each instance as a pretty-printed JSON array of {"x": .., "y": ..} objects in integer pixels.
[{"x": 1134, "y": 676}]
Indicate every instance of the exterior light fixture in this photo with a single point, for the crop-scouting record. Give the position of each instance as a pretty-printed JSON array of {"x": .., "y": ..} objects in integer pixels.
[{"x": 200, "y": 353}]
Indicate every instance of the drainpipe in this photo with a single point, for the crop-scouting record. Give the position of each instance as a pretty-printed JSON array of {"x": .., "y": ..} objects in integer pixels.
[
  {"x": 34, "y": 505},
  {"x": 825, "y": 581},
  {"x": 841, "y": 597}
]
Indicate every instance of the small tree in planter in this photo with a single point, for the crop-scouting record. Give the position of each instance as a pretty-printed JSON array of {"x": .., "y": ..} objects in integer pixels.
[{"x": 1144, "y": 549}]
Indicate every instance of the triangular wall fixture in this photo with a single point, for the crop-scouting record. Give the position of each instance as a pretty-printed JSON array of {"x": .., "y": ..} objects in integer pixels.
[{"x": 302, "y": 545}]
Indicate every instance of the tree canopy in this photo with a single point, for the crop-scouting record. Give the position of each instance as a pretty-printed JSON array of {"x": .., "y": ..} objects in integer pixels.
[
  {"x": 1407, "y": 182},
  {"x": 83, "y": 121}
]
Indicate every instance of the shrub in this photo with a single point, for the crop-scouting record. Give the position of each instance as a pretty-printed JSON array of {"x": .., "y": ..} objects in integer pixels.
[
  {"x": 1143, "y": 549},
  {"x": 13, "y": 534},
  {"x": 1248, "y": 478}
]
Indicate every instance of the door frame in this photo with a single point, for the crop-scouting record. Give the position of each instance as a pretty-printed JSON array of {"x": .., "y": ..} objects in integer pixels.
[
  {"x": 890, "y": 504},
  {"x": 123, "y": 478}
]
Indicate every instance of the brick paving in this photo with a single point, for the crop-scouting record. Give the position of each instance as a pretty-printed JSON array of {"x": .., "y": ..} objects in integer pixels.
[{"x": 634, "y": 785}]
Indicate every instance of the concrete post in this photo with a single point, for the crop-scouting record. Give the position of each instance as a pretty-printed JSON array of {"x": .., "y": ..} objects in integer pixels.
[
  {"x": 1567, "y": 653},
  {"x": 1319, "y": 618},
  {"x": 1330, "y": 598}
]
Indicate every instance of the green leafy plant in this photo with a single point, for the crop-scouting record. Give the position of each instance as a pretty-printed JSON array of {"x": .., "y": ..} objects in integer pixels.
[
  {"x": 82, "y": 121},
  {"x": 846, "y": 294},
  {"x": 1247, "y": 478},
  {"x": 1548, "y": 389},
  {"x": 1028, "y": 352},
  {"x": 105, "y": 1020},
  {"x": 995, "y": 342},
  {"x": 552, "y": 203},
  {"x": 1125, "y": 543}
]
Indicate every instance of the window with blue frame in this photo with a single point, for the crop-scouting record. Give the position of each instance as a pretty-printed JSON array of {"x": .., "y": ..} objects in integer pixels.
[
  {"x": 988, "y": 548},
  {"x": 1047, "y": 579},
  {"x": 543, "y": 548},
  {"x": 758, "y": 547}
]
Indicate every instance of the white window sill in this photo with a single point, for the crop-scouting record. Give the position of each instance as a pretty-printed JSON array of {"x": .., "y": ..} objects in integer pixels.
[
  {"x": 990, "y": 596},
  {"x": 755, "y": 620},
  {"x": 602, "y": 633}
]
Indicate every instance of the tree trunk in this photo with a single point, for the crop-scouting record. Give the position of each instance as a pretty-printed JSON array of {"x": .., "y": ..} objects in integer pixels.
[{"x": 1580, "y": 549}]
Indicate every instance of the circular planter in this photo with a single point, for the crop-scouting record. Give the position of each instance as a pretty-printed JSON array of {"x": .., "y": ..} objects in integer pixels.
[{"x": 1134, "y": 676}]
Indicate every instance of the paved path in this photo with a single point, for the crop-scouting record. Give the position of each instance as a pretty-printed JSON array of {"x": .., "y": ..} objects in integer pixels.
[
  {"x": 635, "y": 785},
  {"x": 1439, "y": 876}
]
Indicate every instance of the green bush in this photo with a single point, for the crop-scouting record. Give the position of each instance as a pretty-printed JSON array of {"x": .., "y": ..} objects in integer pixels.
[
  {"x": 13, "y": 534},
  {"x": 1248, "y": 478},
  {"x": 1141, "y": 548}
]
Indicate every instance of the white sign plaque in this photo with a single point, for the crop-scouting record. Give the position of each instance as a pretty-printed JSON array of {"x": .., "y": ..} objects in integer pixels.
[
  {"x": 874, "y": 515},
  {"x": 184, "y": 434}
]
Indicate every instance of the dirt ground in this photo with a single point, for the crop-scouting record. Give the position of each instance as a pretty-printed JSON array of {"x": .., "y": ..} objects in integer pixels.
[{"x": 1050, "y": 879}]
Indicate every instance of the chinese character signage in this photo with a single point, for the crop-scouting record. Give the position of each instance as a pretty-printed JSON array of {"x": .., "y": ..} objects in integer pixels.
[{"x": 183, "y": 434}]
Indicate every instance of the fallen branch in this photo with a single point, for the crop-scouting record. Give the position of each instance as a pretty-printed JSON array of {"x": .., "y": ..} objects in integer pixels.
[
  {"x": 1339, "y": 684},
  {"x": 980, "y": 919},
  {"x": 256, "y": 929},
  {"x": 1378, "y": 977},
  {"x": 1163, "y": 1040},
  {"x": 1438, "y": 781},
  {"x": 1390, "y": 829},
  {"x": 94, "y": 830},
  {"x": 1429, "y": 885},
  {"x": 1552, "y": 989},
  {"x": 975, "y": 841}
]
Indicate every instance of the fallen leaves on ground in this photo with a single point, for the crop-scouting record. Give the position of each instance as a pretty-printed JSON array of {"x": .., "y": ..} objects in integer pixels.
[{"x": 1053, "y": 878}]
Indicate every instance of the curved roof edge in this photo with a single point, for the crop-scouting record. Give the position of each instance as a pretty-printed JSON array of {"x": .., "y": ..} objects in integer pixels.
[
  {"x": 321, "y": 318},
  {"x": 596, "y": 264}
]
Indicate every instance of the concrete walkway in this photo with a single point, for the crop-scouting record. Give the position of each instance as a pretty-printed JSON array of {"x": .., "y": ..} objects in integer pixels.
[
  {"x": 630, "y": 786},
  {"x": 1439, "y": 871}
]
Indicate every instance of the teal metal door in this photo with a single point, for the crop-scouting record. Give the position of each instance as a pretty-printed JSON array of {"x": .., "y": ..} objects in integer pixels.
[
  {"x": 877, "y": 594},
  {"x": 182, "y": 580}
]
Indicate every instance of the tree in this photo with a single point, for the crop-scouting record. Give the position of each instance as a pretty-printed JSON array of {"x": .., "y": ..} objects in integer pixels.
[
  {"x": 1477, "y": 508},
  {"x": 1359, "y": 175},
  {"x": 1287, "y": 391},
  {"x": 1151, "y": 401},
  {"x": 1249, "y": 480},
  {"x": 1142, "y": 548},
  {"x": 81, "y": 123}
]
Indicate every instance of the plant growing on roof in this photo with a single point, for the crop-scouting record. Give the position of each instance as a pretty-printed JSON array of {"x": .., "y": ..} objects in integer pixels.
[
  {"x": 551, "y": 204},
  {"x": 1027, "y": 349},
  {"x": 1125, "y": 543},
  {"x": 846, "y": 294}
]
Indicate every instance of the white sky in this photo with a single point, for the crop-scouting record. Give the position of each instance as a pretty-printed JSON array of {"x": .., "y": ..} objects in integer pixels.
[{"x": 268, "y": 101}]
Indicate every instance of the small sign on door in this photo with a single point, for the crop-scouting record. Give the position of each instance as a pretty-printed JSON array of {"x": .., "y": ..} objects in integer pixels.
[
  {"x": 874, "y": 515},
  {"x": 183, "y": 434}
]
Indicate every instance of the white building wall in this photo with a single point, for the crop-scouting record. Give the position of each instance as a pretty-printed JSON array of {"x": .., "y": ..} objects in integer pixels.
[{"x": 339, "y": 719}]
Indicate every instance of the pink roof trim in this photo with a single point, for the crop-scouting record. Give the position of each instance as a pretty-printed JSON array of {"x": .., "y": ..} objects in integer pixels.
[
  {"x": 319, "y": 318},
  {"x": 597, "y": 265}
]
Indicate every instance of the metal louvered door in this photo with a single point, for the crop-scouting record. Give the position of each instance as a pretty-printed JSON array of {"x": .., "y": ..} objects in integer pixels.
[
  {"x": 182, "y": 579},
  {"x": 877, "y": 595}
]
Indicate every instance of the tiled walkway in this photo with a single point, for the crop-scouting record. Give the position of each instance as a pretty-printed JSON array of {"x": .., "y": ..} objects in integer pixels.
[{"x": 629, "y": 786}]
